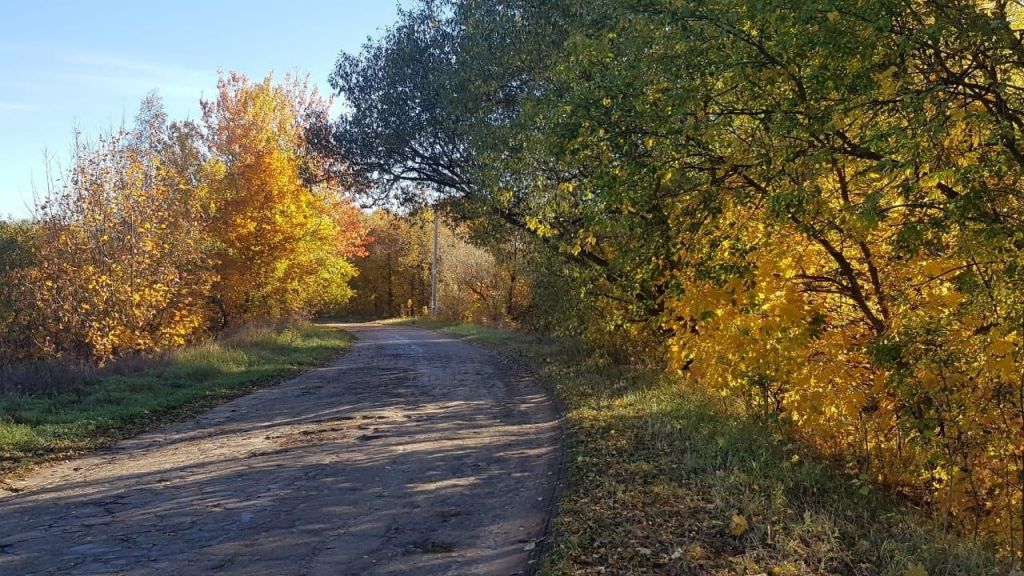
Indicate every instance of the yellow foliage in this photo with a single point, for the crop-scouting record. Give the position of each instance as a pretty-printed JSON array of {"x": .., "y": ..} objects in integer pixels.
[
  {"x": 282, "y": 242},
  {"x": 121, "y": 266},
  {"x": 887, "y": 363},
  {"x": 146, "y": 244},
  {"x": 738, "y": 525}
]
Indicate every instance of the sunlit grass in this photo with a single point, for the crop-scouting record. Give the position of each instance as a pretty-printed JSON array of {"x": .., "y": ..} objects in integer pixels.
[
  {"x": 108, "y": 407},
  {"x": 655, "y": 473}
]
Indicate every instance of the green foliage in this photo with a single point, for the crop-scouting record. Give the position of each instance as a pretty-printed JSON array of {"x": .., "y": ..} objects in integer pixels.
[
  {"x": 473, "y": 131},
  {"x": 811, "y": 209},
  {"x": 16, "y": 242},
  {"x": 17, "y": 249}
]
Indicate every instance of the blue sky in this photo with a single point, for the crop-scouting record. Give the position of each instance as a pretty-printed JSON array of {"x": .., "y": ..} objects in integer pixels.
[{"x": 88, "y": 63}]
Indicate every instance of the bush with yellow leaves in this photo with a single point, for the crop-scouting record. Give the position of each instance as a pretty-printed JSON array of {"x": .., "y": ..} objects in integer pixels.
[{"x": 122, "y": 264}]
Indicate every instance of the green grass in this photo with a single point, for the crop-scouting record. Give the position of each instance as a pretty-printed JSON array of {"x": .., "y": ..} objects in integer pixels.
[
  {"x": 655, "y": 473},
  {"x": 55, "y": 425}
]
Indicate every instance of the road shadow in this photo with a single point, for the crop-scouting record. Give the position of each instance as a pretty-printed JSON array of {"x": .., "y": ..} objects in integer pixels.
[{"x": 414, "y": 454}]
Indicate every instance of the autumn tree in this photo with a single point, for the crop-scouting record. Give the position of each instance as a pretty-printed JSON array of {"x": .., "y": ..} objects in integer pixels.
[
  {"x": 486, "y": 274},
  {"x": 18, "y": 245},
  {"x": 474, "y": 283},
  {"x": 122, "y": 263},
  {"x": 284, "y": 230},
  {"x": 394, "y": 274},
  {"x": 811, "y": 212}
]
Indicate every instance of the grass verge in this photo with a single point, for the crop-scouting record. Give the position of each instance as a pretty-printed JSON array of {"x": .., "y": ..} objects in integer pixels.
[
  {"x": 661, "y": 481},
  {"x": 107, "y": 408}
]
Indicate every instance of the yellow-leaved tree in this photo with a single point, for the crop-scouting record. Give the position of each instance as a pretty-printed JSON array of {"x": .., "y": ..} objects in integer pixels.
[
  {"x": 284, "y": 231},
  {"x": 122, "y": 262}
]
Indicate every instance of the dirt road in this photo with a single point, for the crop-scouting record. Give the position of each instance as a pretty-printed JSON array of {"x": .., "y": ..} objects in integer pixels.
[{"x": 413, "y": 454}]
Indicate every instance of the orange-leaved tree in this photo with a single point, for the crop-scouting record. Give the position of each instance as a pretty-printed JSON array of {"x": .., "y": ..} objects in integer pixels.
[{"x": 284, "y": 230}]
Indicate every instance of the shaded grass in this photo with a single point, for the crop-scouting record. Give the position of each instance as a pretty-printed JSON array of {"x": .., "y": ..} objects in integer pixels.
[
  {"x": 56, "y": 424},
  {"x": 655, "y": 474}
]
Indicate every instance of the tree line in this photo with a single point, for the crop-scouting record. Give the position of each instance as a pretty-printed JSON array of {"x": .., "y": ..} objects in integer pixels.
[
  {"x": 811, "y": 210},
  {"x": 479, "y": 281},
  {"x": 165, "y": 232}
]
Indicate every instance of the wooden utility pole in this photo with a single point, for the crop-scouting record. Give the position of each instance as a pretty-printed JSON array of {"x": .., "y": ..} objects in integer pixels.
[{"x": 433, "y": 267}]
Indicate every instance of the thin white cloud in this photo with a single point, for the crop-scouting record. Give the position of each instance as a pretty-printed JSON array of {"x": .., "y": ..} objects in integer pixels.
[
  {"x": 116, "y": 62},
  {"x": 115, "y": 73}
]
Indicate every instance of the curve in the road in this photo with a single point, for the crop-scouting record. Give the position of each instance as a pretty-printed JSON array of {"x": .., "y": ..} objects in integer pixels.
[{"x": 414, "y": 454}]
